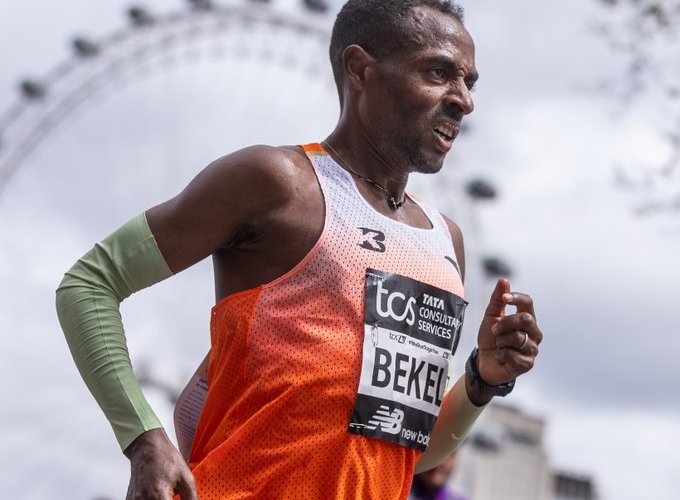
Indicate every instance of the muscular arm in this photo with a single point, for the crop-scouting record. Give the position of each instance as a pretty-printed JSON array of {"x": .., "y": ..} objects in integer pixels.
[
  {"x": 242, "y": 210},
  {"x": 179, "y": 233},
  {"x": 248, "y": 189},
  {"x": 235, "y": 193}
]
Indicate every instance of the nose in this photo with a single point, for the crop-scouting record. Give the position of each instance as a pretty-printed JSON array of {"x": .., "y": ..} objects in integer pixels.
[{"x": 461, "y": 97}]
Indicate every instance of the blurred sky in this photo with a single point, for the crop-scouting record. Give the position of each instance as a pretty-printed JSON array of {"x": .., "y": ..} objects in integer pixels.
[{"x": 603, "y": 279}]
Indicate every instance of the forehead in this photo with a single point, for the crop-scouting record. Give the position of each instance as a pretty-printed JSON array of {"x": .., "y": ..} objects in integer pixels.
[{"x": 431, "y": 31}]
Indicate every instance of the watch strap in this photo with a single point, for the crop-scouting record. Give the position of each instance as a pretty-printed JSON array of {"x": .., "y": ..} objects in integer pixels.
[{"x": 472, "y": 371}]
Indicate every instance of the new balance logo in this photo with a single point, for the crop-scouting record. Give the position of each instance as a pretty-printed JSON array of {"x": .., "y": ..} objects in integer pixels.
[
  {"x": 374, "y": 240},
  {"x": 388, "y": 421}
]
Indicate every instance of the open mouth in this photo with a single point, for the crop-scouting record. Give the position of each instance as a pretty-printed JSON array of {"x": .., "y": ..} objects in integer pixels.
[{"x": 446, "y": 132}]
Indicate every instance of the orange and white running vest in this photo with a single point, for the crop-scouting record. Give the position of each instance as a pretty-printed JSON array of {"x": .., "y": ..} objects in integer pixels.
[{"x": 320, "y": 383}]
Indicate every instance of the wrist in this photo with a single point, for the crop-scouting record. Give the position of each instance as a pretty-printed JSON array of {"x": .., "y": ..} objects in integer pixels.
[
  {"x": 479, "y": 392},
  {"x": 150, "y": 439},
  {"x": 474, "y": 394}
]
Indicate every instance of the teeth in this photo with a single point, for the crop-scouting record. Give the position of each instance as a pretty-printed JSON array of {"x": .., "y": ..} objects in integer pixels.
[{"x": 445, "y": 130}]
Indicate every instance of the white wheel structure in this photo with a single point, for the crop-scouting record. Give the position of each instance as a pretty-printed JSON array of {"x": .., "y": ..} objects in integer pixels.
[
  {"x": 153, "y": 43},
  {"x": 122, "y": 124}
]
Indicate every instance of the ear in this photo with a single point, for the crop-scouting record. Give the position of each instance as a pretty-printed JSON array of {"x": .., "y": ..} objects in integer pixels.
[{"x": 357, "y": 63}]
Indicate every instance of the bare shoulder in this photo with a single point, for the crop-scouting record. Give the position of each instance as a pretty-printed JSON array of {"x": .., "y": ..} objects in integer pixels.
[
  {"x": 255, "y": 187},
  {"x": 269, "y": 174},
  {"x": 458, "y": 243},
  {"x": 248, "y": 183}
]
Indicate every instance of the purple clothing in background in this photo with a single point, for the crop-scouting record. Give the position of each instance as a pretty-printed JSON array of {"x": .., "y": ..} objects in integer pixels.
[{"x": 443, "y": 493}]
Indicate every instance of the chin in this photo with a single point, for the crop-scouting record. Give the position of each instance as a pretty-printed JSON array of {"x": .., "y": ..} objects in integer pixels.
[
  {"x": 425, "y": 164},
  {"x": 424, "y": 160}
]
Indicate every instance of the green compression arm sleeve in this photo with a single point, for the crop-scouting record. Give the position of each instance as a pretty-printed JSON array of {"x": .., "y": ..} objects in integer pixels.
[
  {"x": 88, "y": 301},
  {"x": 455, "y": 420}
]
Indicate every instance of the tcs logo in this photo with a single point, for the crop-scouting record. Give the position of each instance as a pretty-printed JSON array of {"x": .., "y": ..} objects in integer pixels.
[{"x": 395, "y": 305}]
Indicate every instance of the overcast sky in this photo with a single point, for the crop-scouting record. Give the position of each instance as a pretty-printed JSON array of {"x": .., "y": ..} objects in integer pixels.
[{"x": 603, "y": 279}]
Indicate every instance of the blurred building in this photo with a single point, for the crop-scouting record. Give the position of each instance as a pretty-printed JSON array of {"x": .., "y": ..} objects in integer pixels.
[
  {"x": 505, "y": 458},
  {"x": 569, "y": 486}
]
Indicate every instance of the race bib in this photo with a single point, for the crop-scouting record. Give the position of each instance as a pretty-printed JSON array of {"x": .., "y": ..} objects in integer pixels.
[{"x": 411, "y": 330}]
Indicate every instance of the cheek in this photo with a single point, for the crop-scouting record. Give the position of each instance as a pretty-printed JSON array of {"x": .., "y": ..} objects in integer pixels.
[
  {"x": 403, "y": 107},
  {"x": 408, "y": 95},
  {"x": 422, "y": 105}
]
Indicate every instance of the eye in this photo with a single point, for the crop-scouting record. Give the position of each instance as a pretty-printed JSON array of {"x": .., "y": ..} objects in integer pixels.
[{"x": 439, "y": 73}]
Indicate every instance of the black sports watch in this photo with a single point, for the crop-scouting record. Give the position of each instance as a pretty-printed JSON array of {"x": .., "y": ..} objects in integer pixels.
[{"x": 478, "y": 384}]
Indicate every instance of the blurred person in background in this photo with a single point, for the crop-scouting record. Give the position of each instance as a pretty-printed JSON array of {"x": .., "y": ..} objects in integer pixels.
[{"x": 433, "y": 484}]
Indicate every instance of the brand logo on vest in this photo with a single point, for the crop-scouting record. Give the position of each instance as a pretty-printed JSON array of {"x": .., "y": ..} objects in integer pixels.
[
  {"x": 389, "y": 421},
  {"x": 408, "y": 313},
  {"x": 375, "y": 240}
]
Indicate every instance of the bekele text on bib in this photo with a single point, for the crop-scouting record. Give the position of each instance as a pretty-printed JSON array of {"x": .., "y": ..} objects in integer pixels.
[{"x": 411, "y": 330}]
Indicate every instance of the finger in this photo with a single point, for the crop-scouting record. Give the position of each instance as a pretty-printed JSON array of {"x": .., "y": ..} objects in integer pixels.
[
  {"x": 522, "y": 321},
  {"x": 514, "y": 340},
  {"x": 497, "y": 304},
  {"x": 518, "y": 341},
  {"x": 522, "y": 301},
  {"x": 186, "y": 488}
]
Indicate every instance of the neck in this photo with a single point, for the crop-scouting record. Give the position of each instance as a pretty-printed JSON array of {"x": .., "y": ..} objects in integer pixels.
[{"x": 359, "y": 155}]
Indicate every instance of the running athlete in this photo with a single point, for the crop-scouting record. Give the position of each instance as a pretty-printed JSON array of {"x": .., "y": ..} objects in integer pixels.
[{"x": 339, "y": 297}]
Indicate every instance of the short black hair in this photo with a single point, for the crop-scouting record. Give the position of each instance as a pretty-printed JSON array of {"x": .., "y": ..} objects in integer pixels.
[{"x": 380, "y": 27}]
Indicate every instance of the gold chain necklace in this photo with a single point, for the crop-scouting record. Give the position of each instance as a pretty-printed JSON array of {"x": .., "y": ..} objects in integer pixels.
[{"x": 394, "y": 204}]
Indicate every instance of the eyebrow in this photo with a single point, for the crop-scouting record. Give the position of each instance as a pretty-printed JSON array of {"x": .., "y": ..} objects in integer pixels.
[{"x": 471, "y": 78}]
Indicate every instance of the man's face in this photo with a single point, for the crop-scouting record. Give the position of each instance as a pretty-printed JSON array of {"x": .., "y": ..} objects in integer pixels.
[{"x": 422, "y": 93}]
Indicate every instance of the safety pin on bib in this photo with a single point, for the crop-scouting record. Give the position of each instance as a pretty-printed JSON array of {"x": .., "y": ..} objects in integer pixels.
[{"x": 374, "y": 333}]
